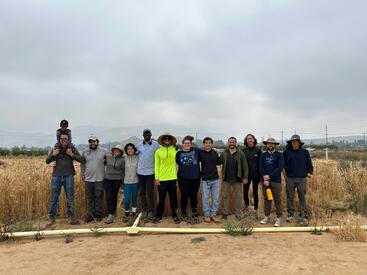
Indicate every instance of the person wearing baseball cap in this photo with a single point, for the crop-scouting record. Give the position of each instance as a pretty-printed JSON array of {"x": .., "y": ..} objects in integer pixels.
[
  {"x": 298, "y": 167},
  {"x": 146, "y": 151},
  {"x": 92, "y": 172},
  {"x": 271, "y": 166}
]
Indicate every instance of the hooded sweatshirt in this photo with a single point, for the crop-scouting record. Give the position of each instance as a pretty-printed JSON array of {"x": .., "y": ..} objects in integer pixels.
[
  {"x": 272, "y": 164},
  {"x": 165, "y": 163},
  {"x": 115, "y": 167},
  {"x": 297, "y": 163}
]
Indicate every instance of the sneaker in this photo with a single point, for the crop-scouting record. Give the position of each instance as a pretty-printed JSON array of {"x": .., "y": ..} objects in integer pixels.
[
  {"x": 126, "y": 217},
  {"x": 157, "y": 219},
  {"x": 50, "y": 221},
  {"x": 73, "y": 221},
  {"x": 290, "y": 218},
  {"x": 109, "y": 219},
  {"x": 98, "y": 219},
  {"x": 133, "y": 216},
  {"x": 278, "y": 222},
  {"x": 144, "y": 215},
  {"x": 224, "y": 217},
  {"x": 215, "y": 220},
  {"x": 305, "y": 222},
  {"x": 265, "y": 220},
  {"x": 88, "y": 218},
  {"x": 207, "y": 219}
]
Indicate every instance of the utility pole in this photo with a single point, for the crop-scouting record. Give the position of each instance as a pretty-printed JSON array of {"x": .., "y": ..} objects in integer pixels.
[
  {"x": 364, "y": 140},
  {"x": 282, "y": 137},
  {"x": 196, "y": 137},
  {"x": 327, "y": 143}
]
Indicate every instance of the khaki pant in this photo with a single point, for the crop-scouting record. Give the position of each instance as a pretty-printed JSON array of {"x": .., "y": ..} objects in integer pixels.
[
  {"x": 276, "y": 189},
  {"x": 237, "y": 189}
]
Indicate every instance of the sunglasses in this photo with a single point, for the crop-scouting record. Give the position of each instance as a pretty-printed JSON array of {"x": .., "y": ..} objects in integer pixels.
[{"x": 167, "y": 138}]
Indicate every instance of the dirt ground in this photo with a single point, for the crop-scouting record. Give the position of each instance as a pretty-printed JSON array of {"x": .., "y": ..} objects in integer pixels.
[{"x": 301, "y": 253}]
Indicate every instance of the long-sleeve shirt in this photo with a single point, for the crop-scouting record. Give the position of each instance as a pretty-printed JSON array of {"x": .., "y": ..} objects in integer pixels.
[
  {"x": 115, "y": 167},
  {"x": 165, "y": 164},
  {"x": 297, "y": 163},
  {"x": 131, "y": 164},
  {"x": 272, "y": 164},
  {"x": 253, "y": 157},
  {"x": 146, "y": 152},
  {"x": 238, "y": 163},
  {"x": 94, "y": 167},
  {"x": 64, "y": 163}
]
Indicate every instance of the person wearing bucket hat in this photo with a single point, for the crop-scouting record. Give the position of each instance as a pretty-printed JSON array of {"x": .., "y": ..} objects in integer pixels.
[
  {"x": 146, "y": 151},
  {"x": 271, "y": 166},
  {"x": 114, "y": 175},
  {"x": 92, "y": 172},
  {"x": 298, "y": 167},
  {"x": 165, "y": 173}
]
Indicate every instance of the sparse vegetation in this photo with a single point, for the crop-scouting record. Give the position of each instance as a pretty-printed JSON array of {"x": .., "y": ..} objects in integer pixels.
[
  {"x": 350, "y": 229},
  {"x": 198, "y": 240}
]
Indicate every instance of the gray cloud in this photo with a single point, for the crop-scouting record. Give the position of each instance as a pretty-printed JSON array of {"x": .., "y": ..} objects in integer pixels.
[{"x": 223, "y": 66}]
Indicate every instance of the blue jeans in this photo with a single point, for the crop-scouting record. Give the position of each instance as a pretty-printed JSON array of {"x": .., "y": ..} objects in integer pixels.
[
  {"x": 68, "y": 183},
  {"x": 131, "y": 194},
  {"x": 210, "y": 189}
]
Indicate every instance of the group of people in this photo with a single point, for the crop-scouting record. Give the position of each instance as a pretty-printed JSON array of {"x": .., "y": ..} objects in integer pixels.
[{"x": 159, "y": 163}]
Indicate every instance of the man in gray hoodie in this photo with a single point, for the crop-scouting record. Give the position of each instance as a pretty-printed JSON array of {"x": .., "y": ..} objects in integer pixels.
[{"x": 92, "y": 172}]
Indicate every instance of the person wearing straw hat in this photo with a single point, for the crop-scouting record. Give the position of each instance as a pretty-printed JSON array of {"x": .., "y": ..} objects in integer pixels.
[
  {"x": 114, "y": 175},
  {"x": 165, "y": 172},
  {"x": 298, "y": 167},
  {"x": 146, "y": 151},
  {"x": 92, "y": 172},
  {"x": 271, "y": 166}
]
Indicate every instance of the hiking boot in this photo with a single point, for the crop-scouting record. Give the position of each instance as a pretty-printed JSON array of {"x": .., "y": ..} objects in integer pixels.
[
  {"x": 207, "y": 219},
  {"x": 109, "y": 219},
  {"x": 73, "y": 221},
  {"x": 215, "y": 220},
  {"x": 278, "y": 222},
  {"x": 176, "y": 219},
  {"x": 184, "y": 216},
  {"x": 224, "y": 217},
  {"x": 304, "y": 222},
  {"x": 88, "y": 218},
  {"x": 50, "y": 222},
  {"x": 157, "y": 219},
  {"x": 98, "y": 219},
  {"x": 290, "y": 218},
  {"x": 265, "y": 220},
  {"x": 150, "y": 216}
]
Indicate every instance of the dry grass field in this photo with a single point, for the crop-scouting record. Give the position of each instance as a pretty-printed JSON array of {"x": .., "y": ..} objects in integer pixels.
[{"x": 337, "y": 194}]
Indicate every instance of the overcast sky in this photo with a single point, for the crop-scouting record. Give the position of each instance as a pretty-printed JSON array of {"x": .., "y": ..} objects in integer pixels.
[{"x": 213, "y": 66}]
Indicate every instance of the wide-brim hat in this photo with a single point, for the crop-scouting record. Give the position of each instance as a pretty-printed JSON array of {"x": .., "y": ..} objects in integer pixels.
[
  {"x": 119, "y": 147},
  {"x": 295, "y": 137},
  {"x": 161, "y": 137},
  {"x": 271, "y": 140}
]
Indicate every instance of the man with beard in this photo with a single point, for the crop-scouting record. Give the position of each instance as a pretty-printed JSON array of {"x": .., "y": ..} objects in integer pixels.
[
  {"x": 298, "y": 166},
  {"x": 234, "y": 174},
  {"x": 146, "y": 151},
  {"x": 63, "y": 176},
  {"x": 92, "y": 172},
  {"x": 271, "y": 166}
]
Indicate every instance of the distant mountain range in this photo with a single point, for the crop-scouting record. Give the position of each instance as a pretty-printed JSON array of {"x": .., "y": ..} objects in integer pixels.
[{"x": 122, "y": 135}]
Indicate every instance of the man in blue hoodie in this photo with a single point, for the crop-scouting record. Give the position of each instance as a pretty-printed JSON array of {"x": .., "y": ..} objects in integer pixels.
[{"x": 298, "y": 166}]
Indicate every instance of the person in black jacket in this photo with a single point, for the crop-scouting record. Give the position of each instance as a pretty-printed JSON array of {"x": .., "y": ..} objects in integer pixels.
[
  {"x": 298, "y": 166},
  {"x": 253, "y": 154}
]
